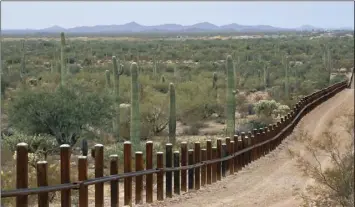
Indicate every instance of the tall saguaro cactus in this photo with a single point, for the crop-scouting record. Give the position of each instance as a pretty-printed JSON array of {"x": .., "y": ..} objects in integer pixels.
[
  {"x": 108, "y": 79},
  {"x": 327, "y": 61},
  {"x": 285, "y": 63},
  {"x": 154, "y": 67},
  {"x": 23, "y": 61},
  {"x": 230, "y": 97},
  {"x": 62, "y": 60},
  {"x": 214, "y": 85},
  {"x": 172, "y": 114},
  {"x": 135, "y": 113},
  {"x": 117, "y": 71},
  {"x": 266, "y": 76},
  {"x": 214, "y": 80}
]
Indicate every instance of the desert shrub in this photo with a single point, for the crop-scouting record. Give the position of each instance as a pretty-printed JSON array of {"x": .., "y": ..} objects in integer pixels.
[
  {"x": 196, "y": 102},
  {"x": 38, "y": 147},
  {"x": 241, "y": 104},
  {"x": 281, "y": 110},
  {"x": 37, "y": 144},
  {"x": 63, "y": 113},
  {"x": 276, "y": 92},
  {"x": 256, "y": 123},
  {"x": 251, "y": 110},
  {"x": 169, "y": 68},
  {"x": 161, "y": 87},
  {"x": 193, "y": 129},
  {"x": 334, "y": 184},
  {"x": 338, "y": 78},
  {"x": 73, "y": 68},
  {"x": 117, "y": 149},
  {"x": 8, "y": 181},
  {"x": 154, "y": 113},
  {"x": 265, "y": 107}
]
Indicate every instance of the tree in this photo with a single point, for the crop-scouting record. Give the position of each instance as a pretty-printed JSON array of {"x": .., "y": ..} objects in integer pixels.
[{"x": 64, "y": 113}]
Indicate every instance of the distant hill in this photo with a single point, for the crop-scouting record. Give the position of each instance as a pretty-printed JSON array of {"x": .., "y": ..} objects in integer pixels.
[{"x": 134, "y": 27}]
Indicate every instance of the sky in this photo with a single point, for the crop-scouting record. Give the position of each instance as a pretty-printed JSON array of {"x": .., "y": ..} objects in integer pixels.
[{"x": 39, "y": 15}]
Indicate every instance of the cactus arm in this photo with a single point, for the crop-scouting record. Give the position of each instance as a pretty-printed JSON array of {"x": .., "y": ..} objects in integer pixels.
[{"x": 116, "y": 92}]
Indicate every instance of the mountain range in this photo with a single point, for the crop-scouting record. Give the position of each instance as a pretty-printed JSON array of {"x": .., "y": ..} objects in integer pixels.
[{"x": 134, "y": 27}]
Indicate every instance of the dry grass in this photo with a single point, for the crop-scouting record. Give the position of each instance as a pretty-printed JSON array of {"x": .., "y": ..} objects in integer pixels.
[{"x": 328, "y": 162}]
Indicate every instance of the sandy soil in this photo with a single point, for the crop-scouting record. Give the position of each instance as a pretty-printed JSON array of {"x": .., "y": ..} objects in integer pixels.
[{"x": 273, "y": 180}]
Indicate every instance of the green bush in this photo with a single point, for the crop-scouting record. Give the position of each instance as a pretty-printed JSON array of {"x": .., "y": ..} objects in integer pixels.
[
  {"x": 38, "y": 144},
  {"x": 265, "y": 107},
  {"x": 338, "y": 78},
  {"x": 64, "y": 113}
]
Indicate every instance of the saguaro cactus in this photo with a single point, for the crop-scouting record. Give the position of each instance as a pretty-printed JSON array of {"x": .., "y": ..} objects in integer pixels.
[
  {"x": 214, "y": 80},
  {"x": 62, "y": 59},
  {"x": 327, "y": 61},
  {"x": 172, "y": 114},
  {"x": 163, "y": 79},
  {"x": 285, "y": 63},
  {"x": 230, "y": 97},
  {"x": 154, "y": 67},
  {"x": 135, "y": 113},
  {"x": 108, "y": 78},
  {"x": 214, "y": 86},
  {"x": 298, "y": 77},
  {"x": 117, "y": 71},
  {"x": 23, "y": 61},
  {"x": 266, "y": 77}
]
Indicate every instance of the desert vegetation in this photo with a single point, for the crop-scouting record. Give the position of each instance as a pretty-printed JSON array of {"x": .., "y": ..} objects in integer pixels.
[
  {"x": 330, "y": 164},
  {"x": 81, "y": 92}
]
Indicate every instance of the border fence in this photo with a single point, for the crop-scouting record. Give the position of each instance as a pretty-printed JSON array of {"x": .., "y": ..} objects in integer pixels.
[{"x": 179, "y": 170}]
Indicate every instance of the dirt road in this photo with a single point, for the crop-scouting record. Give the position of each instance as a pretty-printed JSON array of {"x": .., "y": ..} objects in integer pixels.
[{"x": 274, "y": 180}]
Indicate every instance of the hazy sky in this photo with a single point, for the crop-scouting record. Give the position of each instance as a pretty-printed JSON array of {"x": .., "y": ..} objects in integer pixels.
[{"x": 38, "y": 15}]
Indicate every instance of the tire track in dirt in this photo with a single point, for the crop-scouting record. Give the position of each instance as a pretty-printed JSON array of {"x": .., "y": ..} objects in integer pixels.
[{"x": 273, "y": 180}]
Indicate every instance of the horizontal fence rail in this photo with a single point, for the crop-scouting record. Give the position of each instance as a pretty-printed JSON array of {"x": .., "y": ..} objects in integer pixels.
[{"x": 187, "y": 169}]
